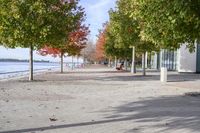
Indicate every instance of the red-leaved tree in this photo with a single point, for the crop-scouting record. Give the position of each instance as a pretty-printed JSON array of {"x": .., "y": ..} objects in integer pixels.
[
  {"x": 76, "y": 42},
  {"x": 100, "y": 54}
]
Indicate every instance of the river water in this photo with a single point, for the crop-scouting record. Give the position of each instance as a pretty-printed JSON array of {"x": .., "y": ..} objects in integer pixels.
[{"x": 13, "y": 69}]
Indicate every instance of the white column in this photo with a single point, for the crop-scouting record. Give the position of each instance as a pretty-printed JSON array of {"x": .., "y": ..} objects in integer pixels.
[{"x": 133, "y": 61}]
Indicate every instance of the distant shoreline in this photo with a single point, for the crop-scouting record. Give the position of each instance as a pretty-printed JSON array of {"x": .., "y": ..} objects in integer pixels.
[{"x": 17, "y": 60}]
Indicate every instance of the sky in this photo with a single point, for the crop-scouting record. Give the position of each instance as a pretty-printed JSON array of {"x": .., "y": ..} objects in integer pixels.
[{"x": 96, "y": 15}]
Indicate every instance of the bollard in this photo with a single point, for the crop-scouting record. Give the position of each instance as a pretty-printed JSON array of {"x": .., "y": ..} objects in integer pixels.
[{"x": 163, "y": 74}]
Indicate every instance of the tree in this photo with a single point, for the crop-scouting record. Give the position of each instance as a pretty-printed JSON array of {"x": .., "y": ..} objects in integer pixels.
[
  {"x": 33, "y": 24},
  {"x": 168, "y": 24},
  {"x": 100, "y": 54},
  {"x": 111, "y": 49},
  {"x": 76, "y": 41},
  {"x": 124, "y": 31},
  {"x": 88, "y": 52}
]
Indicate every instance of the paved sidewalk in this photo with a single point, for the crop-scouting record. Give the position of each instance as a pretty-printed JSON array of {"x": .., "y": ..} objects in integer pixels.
[{"x": 100, "y": 100}]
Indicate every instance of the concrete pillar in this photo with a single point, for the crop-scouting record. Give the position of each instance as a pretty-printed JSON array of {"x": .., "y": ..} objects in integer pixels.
[
  {"x": 133, "y": 61},
  {"x": 163, "y": 74}
]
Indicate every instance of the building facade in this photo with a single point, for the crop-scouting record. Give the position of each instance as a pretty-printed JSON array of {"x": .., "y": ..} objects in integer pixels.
[
  {"x": 188, "y": 62},
  {"x": 180, "y": 60}
]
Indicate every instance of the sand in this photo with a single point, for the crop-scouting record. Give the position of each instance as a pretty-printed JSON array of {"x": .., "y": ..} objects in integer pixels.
[{"x": 100, "y": 100}]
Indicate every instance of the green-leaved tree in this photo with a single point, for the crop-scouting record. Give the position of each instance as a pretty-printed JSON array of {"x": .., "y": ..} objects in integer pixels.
[{"x": 35, "y": 24}]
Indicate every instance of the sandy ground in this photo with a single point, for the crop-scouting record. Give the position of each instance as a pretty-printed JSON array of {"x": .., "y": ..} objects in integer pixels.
[{"x": 100, "y": 100}]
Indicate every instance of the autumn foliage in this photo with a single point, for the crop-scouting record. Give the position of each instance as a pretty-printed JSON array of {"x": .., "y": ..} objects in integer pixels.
[
  {"x": 77, "y": 41},
  {"x": 49, "y": 51},
  {"x": 100, "y": 54}
]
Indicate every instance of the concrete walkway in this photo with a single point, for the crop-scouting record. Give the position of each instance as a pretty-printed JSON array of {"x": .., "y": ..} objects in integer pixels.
[{"x": 100, "y": 100}]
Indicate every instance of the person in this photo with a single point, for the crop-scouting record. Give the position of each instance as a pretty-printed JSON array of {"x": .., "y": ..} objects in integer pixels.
[{"x": 121, "y": 66}]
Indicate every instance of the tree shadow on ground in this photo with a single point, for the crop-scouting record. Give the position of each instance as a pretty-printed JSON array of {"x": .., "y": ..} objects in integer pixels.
[
  {"x": 129, "y": 78},
  {"x": 168, "y": 113},
  {"x": 114, "y": 76},
  {"x": 171, "y": 77},
  {"x": 91, "y": 72}
]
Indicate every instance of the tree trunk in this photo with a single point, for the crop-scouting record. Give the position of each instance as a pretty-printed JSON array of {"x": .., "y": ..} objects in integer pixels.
[
  {"x": 31, "y": 63},
  {"x": 77, "y": 61},
  {"x": 115, "y": 62},
  {"x": 72, "y": 63},
  {"x": 133, "y": 68},
  {"x": 61, "y": 62},
  {"x": 109, "y": 62},
  {"x": 150, "y": 62},
  {"x": 146, "y": 60},
  {"x": 143, "y": 63},
  {"x": 126, "y": 64}
]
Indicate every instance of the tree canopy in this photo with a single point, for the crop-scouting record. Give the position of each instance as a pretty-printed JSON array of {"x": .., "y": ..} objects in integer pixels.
[
  {"x": 111, "y": 50},
  {"x": 124, "y": 31},
  {"x": 26, "y": 22},
  {"x": 100, "y": 53},
  {"x": 76, "y": 41},
  {"x": 168, "y": 24}
]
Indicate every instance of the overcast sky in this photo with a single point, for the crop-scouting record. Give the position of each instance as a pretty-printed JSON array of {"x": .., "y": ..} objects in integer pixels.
[{"x": 97, "y": 14}]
